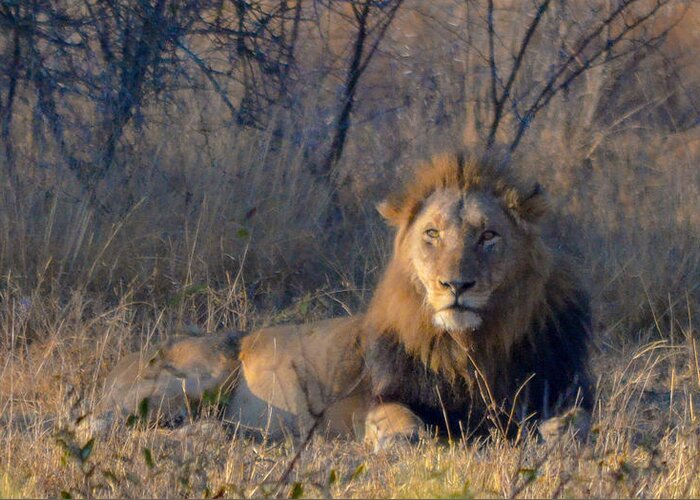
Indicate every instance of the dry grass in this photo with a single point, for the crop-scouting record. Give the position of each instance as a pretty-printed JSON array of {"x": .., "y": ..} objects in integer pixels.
[{"x": 644, "y": 441}]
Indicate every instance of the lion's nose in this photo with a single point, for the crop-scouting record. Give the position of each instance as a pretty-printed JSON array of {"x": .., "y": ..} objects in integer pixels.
[{"x": 458, "y": 287}]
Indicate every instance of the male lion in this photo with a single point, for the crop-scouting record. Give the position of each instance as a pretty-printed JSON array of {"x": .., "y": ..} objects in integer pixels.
[{"x": 475, "y": 323}]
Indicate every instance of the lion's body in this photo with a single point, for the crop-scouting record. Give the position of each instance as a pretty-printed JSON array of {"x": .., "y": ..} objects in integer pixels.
[
  {"x": 475, "y": 320},
  {"x": 292, "y": 375},
  {"x": 280, "y": 379}
]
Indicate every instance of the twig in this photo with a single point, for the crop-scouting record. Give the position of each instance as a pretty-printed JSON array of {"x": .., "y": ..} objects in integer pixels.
[
  {"x": 290, "y": 467},
  {"x": 499, "y": 102},
  {"x": 207, "y": 71},
  {"x": 492, "y": 57}
]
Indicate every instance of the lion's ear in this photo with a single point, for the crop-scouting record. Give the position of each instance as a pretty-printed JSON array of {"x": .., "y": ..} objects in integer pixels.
[
  {"x": 535, "y": 205},
  {"x": 390, "y": 212}
]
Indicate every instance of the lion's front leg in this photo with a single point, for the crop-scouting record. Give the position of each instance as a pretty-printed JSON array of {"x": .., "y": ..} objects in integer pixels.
[{"x": 389, "y": 422}]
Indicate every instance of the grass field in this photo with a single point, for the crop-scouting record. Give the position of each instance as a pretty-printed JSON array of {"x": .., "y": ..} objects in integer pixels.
[{"x": 644, "y": 440}]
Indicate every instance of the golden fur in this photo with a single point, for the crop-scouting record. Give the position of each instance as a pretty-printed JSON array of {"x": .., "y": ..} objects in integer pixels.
[{"x": 399, "y": 308}]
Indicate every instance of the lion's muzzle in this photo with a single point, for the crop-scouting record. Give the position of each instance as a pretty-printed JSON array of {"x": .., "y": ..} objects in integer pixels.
[{"x": 457, "y": 318}]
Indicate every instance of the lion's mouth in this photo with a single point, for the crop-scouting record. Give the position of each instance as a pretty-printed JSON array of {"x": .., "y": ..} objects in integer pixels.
[{"x": 459, "y": 308}]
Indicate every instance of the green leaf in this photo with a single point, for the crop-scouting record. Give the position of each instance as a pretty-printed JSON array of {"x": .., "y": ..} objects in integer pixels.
[
  {"x": 305, "y": 305},
  {"x": 297, "y": 491},
  {"x": 210, "y": 398},
  {"x": 131, "y": 420},
  {"x": 65, "y": 494},
  {"x": 529, "y": 474},
  {"x": 332, "y": 477},
  {"x": 110, "y": 476},
  {"x": 86, "y": 450},
  {"x": 466, "y": 490},
  {"x": 143, "y": 409},
  {"x": 187, "y": 292},
  {"x": 358, "y": 471},
  {"x": 243, "y": 233},
  {"x": 148, "y": 457}
]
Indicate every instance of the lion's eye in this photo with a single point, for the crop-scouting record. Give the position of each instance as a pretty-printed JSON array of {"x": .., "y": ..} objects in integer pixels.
[
  {"x": 432, "y": 234},
  {"x": 487, "y": 236}
]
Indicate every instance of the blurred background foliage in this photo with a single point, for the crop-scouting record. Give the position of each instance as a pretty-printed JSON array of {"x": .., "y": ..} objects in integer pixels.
[{"x": 161, "y": 149}]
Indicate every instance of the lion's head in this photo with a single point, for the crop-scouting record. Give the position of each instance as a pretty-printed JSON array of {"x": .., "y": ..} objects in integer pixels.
[{"x": 469, "y": 265}]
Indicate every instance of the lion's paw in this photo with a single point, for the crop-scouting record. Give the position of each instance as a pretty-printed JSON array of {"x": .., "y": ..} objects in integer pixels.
[{"x": 389, "y": 424}]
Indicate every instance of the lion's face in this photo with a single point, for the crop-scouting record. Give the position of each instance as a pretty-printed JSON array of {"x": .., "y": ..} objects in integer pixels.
[{"x": 461, "y": 248}]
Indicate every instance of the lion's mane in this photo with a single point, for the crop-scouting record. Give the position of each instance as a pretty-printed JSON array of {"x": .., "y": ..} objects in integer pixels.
[{"x": 530, "y": 352}]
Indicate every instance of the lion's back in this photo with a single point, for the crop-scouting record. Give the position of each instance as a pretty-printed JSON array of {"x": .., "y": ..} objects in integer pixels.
[{"x": 292, "y": 375}]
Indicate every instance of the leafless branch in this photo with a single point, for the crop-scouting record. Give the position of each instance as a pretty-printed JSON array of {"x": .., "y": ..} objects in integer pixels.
[
  {"x": 554, "y": 84},
  {"x": 492, "y": 57},
  {"x": 499, "y": 102},
  {"x": 360, "y": 58},
  {"x": 209, "y": 74}
]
